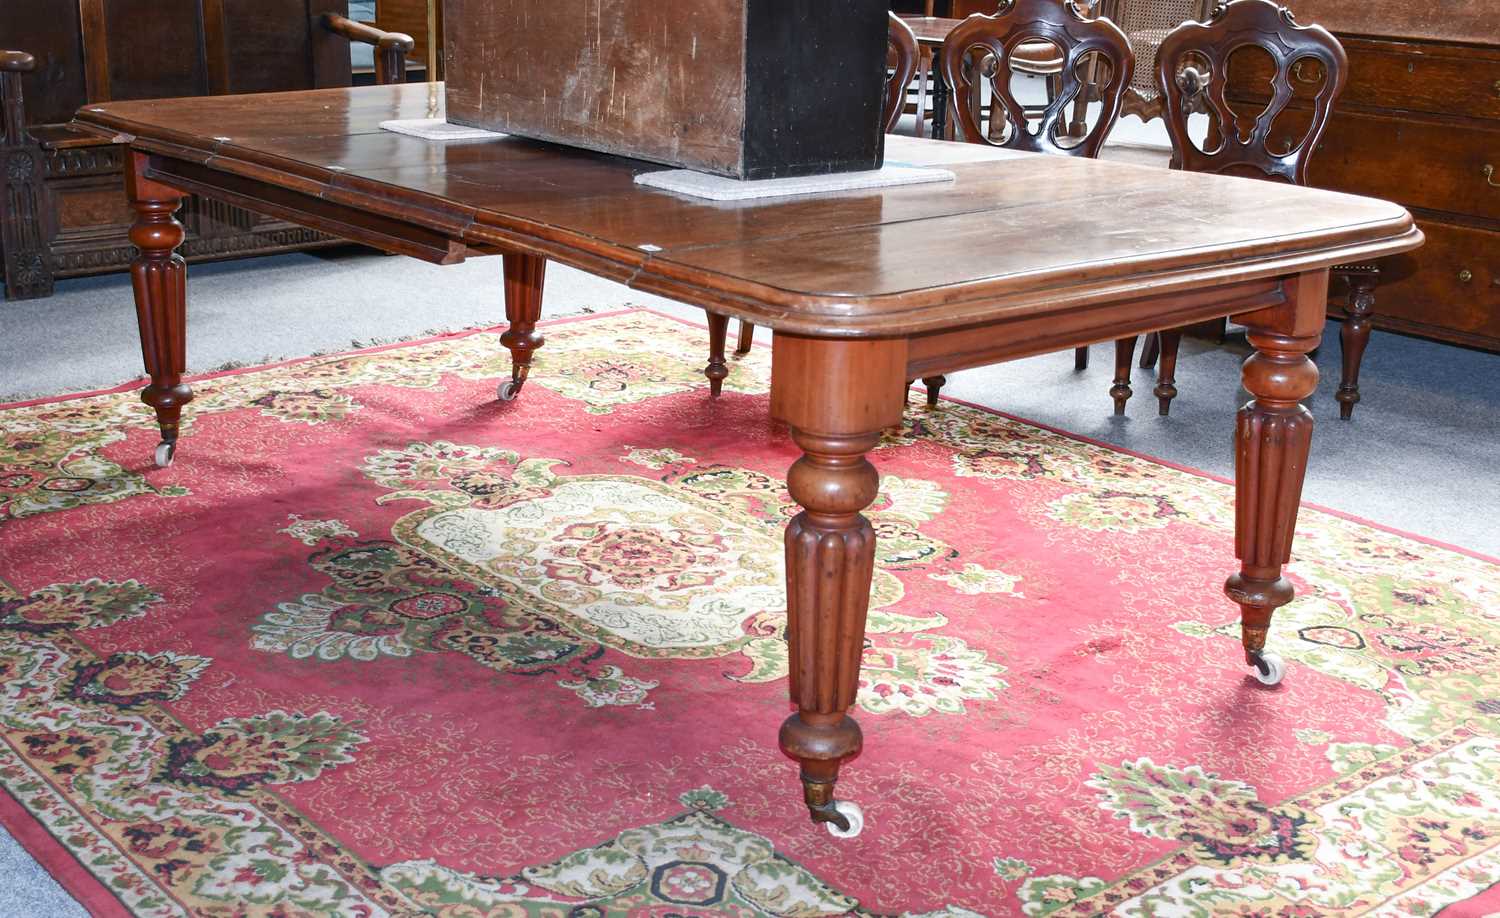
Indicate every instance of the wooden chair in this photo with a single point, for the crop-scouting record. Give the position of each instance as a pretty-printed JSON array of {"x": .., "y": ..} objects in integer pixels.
[
  {"x": 1096, "y": 60},
  {"x": 71, "y": 216},
  {"x": 1192, "y": 72},
  {"x": 901, "y": 66}
]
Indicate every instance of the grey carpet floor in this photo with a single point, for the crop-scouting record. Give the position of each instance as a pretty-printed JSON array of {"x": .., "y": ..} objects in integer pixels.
[{"x": 1421, "y": 453}]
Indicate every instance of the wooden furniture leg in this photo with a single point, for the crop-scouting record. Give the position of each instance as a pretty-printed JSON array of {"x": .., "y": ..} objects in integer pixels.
[
  {"x": 717, "y": 369},
  {"x": 1124, "y": 356},
  {"x": 1080, "y": 359},
  {"x": 1272, "y": 439},
  {"x": 524, "y": 279},
  {"x": 837, "y": 396},
  {"x": 746, "y": 339},
  {"x": 1166, "y": 372},
  {"x": 158, "y": 275},
  {"x": 1354, "y": 337},
  {"x": 934, "y": 386}
]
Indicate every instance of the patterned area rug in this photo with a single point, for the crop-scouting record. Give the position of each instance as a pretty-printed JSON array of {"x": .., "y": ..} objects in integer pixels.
[{"x": 379, "y": 644}]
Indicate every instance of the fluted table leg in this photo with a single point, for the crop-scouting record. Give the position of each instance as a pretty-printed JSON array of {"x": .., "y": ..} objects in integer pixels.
[
  {"x": 1272, "y": 440},
  {"x": 837, "y": 396},
  {"x": 158, "y": 275},
  {"x": 524, "y": 278}
]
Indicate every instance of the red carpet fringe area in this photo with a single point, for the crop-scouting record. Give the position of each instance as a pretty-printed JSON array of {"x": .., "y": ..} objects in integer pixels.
[{"x": 378, "y": 644}]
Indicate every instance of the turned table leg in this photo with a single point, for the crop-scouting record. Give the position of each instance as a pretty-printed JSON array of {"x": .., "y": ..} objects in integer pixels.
[
  {"x": 717, "y": 369},
  {"x": 524, "y": 278},
  {"x": 158, "y": 276},
  {"x": 837, "y": 396},
  {"x": 1121, "y": 391},
  {"x": 1354, "y": 336},
  {"x": 1272, "y": 439},
  {"x": 1167, "y": 343}
]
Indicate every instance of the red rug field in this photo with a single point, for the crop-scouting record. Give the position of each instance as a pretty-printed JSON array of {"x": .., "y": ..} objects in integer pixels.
[{"x": 379, "y": 644}]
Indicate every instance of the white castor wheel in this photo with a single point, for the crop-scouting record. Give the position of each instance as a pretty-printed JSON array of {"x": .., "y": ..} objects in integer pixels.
[
  {"x": 1269, "y": 668},
  {"x": 508, "y": 390},
  {"x": 850, "y": 811},
  {"x": 164, "y": 453}
]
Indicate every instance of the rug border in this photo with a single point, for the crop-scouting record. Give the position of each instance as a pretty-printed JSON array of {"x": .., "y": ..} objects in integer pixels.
[
  {"x": 57, "y": 860},
  {"x": 565, "y": 320}
]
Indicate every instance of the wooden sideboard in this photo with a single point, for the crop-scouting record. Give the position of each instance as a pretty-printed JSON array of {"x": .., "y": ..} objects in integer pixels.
[
  {"x": 1419, "y": 124},
  {"x": 65, "y": 212}
]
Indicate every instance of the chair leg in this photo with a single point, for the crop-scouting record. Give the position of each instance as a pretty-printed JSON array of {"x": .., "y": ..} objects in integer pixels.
[
  {"x": 1080, "y": 359},
  {"x": 934, "y": 386},
  {"x": 1166, "y": 375},
  {"x": 1151, "y": 351},
  {"x": 1354, "y": 335},
  {"x": 1124, "y": 356},
  {"x": 747, "y": 338},
  {"x": 717, "y": 369}
]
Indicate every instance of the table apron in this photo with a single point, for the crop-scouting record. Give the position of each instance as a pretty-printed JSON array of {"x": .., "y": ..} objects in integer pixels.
[
  {"x": 1030, "y": 334},
  {"x": 309, "y": 210}
]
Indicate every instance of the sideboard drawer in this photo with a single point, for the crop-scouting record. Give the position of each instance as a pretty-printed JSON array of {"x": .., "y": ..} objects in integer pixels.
[
  {"x": 1398, "y": 76},
  {"x": 1429, "y": 164},
  {"x": 1449, "y": 288},
  {"x": 1446, "y": 81}
]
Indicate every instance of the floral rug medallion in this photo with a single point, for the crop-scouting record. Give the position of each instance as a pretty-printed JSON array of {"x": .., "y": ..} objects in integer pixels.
[{"x": 380, "y": 645}]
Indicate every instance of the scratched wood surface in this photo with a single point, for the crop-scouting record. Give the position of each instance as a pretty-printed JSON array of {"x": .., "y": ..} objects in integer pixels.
[{"x": 746, "y": 88}]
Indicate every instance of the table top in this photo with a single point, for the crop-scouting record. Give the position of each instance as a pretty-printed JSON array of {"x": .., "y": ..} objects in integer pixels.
[{"x": 1013, "y": 232}]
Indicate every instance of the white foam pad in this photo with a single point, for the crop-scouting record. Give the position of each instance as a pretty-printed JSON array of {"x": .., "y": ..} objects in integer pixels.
[{"x": 438, "y": 129}]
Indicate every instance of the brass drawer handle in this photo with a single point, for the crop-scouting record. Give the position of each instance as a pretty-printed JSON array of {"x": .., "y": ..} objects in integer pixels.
[
  {"x": 1489, "y": 176},
  {"x": 1465, "y": 275}
]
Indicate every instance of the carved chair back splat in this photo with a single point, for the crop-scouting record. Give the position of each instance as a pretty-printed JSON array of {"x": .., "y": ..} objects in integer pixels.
[
  {"x": 983, "y": 48},
  {"x": 1233, "y": 27}
]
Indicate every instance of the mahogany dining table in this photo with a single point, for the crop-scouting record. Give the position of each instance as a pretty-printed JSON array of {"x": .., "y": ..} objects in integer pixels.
[{"x": 863, "y": 290}]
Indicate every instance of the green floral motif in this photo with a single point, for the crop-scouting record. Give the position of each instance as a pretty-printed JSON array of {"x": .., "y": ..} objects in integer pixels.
[
  {"x": 1113, "y": 511},
  {"x": 311, "y": 532},
  {"x": 976, "y": 579},
  {"x": 1011, "y": 869},
  {"x": 92, "y": 603},
  {"x": 1045, "y": 895},
  {"x": 926, "y": 674},
  {"x": 309, "y": 406},
  {"x": 1223, "y": 821},
  {"x": 272, "y": 748},
  {"x": 704, "y": 798},
  {"x": 695, "y": 863},
  {"x": 645, "y": 357},
  {"x": 655, "y": 459},
  {"x": 608, "y": 685},
  {"x": 1312, "y": 737},
  {"x": 1350, "y": 757},
  {"x": 388, "y": 600},
  {"x": 44, "y": 470},
  {"x": 131, "y": 679}
]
